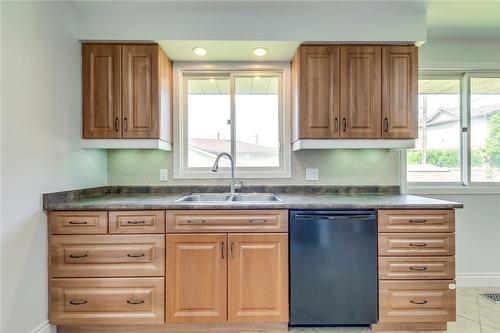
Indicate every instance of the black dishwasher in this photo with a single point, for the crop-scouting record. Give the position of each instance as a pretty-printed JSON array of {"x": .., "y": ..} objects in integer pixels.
[{"x": 333, "y": 267}]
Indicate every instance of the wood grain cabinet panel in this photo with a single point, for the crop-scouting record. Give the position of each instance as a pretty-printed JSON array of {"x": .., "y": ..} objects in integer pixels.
[
  {"x": 76, "y": 222},
  {"x": 196, "y": 278},
  {"x": 414, "y": 268},
  {"x": 315, "y": 77},
  {"x": 137, "y": 222},
  {"x": 421, "y": 244},
  {"x": 107, "y": 255},
  {"x": 407, "y": 220},
  {"x": 106, "y": 301},
  {"x": 360, "y": 91},
  {"x": 183, "y": 221},
  {"x": 416, "y": 301},
  {"x": 258, "y": 278},
  {"x": 101, "y": 96},
  {"x": 399, "y": 92}
]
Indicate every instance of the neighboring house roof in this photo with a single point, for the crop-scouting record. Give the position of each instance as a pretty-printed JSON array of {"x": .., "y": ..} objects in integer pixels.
[
  {"x": 446, "y": 115},
  {"x": 218, "y": 146}
]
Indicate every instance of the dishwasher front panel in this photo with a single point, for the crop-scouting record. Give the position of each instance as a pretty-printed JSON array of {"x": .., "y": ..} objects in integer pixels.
[{"x": 333, "y": 268}]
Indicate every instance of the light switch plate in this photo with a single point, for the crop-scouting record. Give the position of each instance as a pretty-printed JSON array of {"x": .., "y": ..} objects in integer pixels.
[
  {"x": 163, "y": 175},
  {"x": 312, "y": 174}
]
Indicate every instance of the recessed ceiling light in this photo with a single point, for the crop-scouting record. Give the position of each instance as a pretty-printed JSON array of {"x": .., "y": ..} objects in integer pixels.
[
  {"x": 200, "y": 51},
  {"x": 260, "y": 51},
  {"x": 211, "y": 80}
]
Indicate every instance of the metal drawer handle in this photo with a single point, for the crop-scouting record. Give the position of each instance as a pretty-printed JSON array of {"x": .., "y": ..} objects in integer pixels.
[
  {"x": 196, "y": 221},
  {"x": 77, "y": 222},
  {"x": 418, "y": 268},
  {"x": 258, "y": 220},
  {"x": 76, "y": 256},
  {"x": 418, "y": 302},
  {"x": 135, "y": 302},
  {"x": 417, "y": 220},
  {"x": 418, "y": 244},
  {"x": 136, "y": 255},
  {"x": 79, "y": 302},
  {"x": 136, "y": 222}
]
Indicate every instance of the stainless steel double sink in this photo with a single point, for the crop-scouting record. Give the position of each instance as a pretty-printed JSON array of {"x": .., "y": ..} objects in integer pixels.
[{"x": 227, "y": 198}]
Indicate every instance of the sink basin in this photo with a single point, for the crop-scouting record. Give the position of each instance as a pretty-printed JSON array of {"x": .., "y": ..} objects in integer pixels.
[{"x": 224, "y": 198}]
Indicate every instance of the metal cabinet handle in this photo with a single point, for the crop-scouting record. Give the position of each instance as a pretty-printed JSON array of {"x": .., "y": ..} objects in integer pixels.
[
  {"x": 222, "y": 249},
  {"x": 257, "y": 220},
  {"x": 345, "y": 124},
  {"x": 78, "y": 302},
  {"x": 136, "y": 222},
  {"x": 417, "y": 220},
  {"x": 386, "y": 125},
  {"x": 418, "y": 268},
  {"x": 418, "y": 302},
  {"x": 336, "y": 124},
  {"x": 232, "y": 249},
  {"x": 196, "y": 221},
  {"x": 135, "y": 302},
  {"x": 418, "y": 244},
  {"x": 76, "y": 256},
  {"x": 77, "y": 222},
  {"x": 115, "y": 125},
  {"x": 125, "y": 124},
  {"x": 136, "y": 255}
]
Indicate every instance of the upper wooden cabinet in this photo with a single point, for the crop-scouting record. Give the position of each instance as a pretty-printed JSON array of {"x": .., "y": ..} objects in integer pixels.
[
  {"x": 399, "y": 92},
  {"x": 127, "y": 91},
  {"x": 360, "y": 92},
  {"x": 315, "y": 81},
  {"x": 354, "y": 92}
]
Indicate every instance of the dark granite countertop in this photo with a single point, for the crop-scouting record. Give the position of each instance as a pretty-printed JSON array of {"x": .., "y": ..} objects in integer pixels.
[{"x": 298, "y": 197}]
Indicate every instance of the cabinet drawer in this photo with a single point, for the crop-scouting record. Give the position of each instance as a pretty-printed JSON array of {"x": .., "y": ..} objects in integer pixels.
[
  {"x": 416, "y": 301},
  {"x": 227, "y": 221},
  {"x": 400, "y": 268},
  {"x": 106, "y": 301},
  {"x": 107, "y": 255},
  {"x": 416, "y": 220},
  {"x": 421, "y": 244},
  {"x": 78, "y": 222},
  {"x": 137, "y": 222}
]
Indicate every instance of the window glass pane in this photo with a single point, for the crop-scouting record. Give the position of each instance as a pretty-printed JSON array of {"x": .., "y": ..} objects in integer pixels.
[
  {"x": 436, "y": 157},
  {"x": 485, "y": 129},
  {"x": 209, "y": 128},
  {"x": 257, "y": 121}
]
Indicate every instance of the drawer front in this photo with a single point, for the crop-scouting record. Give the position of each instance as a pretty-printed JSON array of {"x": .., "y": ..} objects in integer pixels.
[
  {"x": 184, "y": 221},
  {"x": 137, "y": 222},
  {"x": 409, "y": 220},
  {"x": 400, "y": 268},
  {"x": 92, "y": 223},
  {"x": 416, "y": 301},
  {"x": 418, "y": 244},
  {"x": 106, "y": 301},
  {"x": 108, "y": 255}
]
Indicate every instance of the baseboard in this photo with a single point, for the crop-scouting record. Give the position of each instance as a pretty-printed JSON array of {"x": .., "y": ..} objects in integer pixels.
[
  {"x": 44, "y": 327},
  {"x": 478, "y": 280}
]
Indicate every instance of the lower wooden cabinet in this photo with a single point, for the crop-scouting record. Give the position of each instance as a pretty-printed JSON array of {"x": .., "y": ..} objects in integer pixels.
[
  {"x": 106, "y": 301},
  {"x": 247, "y": 274},
  {"x": 196, "y": 278}
]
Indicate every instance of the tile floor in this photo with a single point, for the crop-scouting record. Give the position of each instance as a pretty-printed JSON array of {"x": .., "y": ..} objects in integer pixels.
[{"x": 475, "y": 314}]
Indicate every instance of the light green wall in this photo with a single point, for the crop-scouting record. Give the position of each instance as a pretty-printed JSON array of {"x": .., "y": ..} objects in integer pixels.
[{"x": 336, "y": 167}]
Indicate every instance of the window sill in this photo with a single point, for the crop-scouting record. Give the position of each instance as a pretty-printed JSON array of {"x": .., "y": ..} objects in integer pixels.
[{"x": 453, "y": 189}]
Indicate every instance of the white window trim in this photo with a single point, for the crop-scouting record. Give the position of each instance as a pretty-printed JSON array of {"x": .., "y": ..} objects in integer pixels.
[
  {"x": 465, "y": 186},
  {"x": 181, "y": 171}
]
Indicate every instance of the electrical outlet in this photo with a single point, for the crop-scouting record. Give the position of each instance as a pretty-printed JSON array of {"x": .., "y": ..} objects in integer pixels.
[
  {"x": 163, "y": 175},
  {"x": 312, "y": 174}
]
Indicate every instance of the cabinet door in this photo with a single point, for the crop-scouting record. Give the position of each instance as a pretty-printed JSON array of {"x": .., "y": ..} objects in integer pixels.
[
  {"x": 101, "y": 96},
  {"x": 258, "y": 278},
  {"x": 196, "y": 278},
  {"x": 360, "y": 92},
  {"x": 399, "y": 92},
  {"x": 141, "y": 111},
  {"x": 318, "y": 92}
]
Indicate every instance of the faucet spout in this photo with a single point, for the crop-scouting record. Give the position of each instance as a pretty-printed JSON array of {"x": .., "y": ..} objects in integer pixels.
[{"x": 215, "y": 168}]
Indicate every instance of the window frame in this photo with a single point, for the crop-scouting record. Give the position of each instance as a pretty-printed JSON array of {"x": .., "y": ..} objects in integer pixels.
[
  {"x": 184, "y": 70},
  {"x": 465, "y": 185}
]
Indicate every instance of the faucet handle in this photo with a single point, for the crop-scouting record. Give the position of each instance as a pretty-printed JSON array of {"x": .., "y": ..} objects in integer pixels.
[{"x": 238, "y": 185}]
